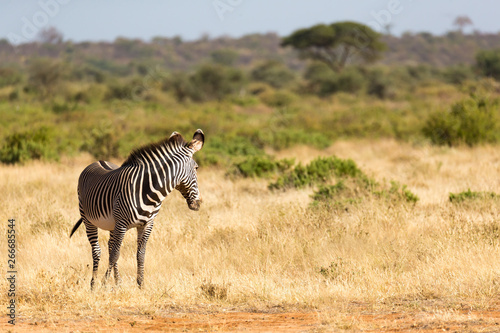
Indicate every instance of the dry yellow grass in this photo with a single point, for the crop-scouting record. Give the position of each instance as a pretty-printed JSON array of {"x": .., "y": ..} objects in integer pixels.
[{"x": 261, "y": 250}]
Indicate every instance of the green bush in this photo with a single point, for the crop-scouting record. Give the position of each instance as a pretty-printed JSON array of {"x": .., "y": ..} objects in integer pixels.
[
  {"x": 396, "y": 191},
  {"x": 320, "y": 79},
  {"x": 337, "y": 195},
  {"x": 118, "y": 91},
  {"x": 472, "y": 121},
  {"x": 44, "y": 75},
  {"x": 226, "y": 57},
  {"x": 488, "y": 63},
  {"x": 209, "y": 82},
  {"x": 323, "y": 81},
  {"x": 319, "y": 171},
  {"x": 470, "y": 195},
  {"x": 103, "y": 142},
  {"x": 88, "y": 73},
  {"x": 29, "y": 145},
  {"x": 277, "y": 99},
  {"x": 63, "y": 107},
  {"x": 351, "y": 185},
  {"x": 214, "y": 82},
  {"x": 14, "y": 95},
  {"x": 380, "y": 84},
  {"x": 9, "y": 76},
  {"x": 262, "y": 166},
  {"x": 349, "y": 191},
  {"x": 224, "y": 150},
  {"x": 350, "y": 80},
  {"x": 180, "y": 85},
  {"x": 458, "y": 74},
  {"x": 274, "y": 73}
]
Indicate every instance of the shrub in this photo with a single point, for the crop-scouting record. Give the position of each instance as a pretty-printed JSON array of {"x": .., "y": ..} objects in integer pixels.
[
  {"x": 323, "y": 81},
  {"x": 180, "y": 86},
  {"x": 209, "y": 82},
  {"x": 488, "y": 63},
  {"x": 380, "y": 84},
  {"x": 350, "y": 80},
  {"x": 214, "y": 82},
  {"x": 351, "y": 184},
  {"x": 245, "y": 101},
  {"x": 9, "y": 76},
  {"x": 274, "y": 73},
  {"x": 124, "y": 90},
  {"x": 45, "y": 74},
  {"x": 63, "y": 107},
  {"x": 29, "y": 145},
  {"x": 278, "y": 99},
  {"x": 396, "y": 191},
  {"x": 223, "y": 150},
  {"x": 334, "y": 195},
  {"x": 88, "y": 73},
  {"x": 258, "y": 88},
  {"x": 470, "y": 195},
  {"x": 103, "y": 142},
  {"x": 262, "y": 166},
  {"x": 348, "y": 191},
  {"x": 472, "y": 121},
  {"x": 14, "y": 95},
  {"x": 458, "y": 74},
  {"x": 226, "y": 57},
  {"x": 319, "y": 171}
]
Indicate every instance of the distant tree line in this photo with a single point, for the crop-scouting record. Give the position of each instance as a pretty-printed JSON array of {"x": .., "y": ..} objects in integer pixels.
[{"x": 453, "y": 48}]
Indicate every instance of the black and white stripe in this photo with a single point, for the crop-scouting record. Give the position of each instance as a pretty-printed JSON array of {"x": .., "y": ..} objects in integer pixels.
[{"x": 130, "y": 196}]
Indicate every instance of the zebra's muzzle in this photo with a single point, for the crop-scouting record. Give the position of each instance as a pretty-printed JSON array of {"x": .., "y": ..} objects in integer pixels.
[{"x": 194, "y": 205}]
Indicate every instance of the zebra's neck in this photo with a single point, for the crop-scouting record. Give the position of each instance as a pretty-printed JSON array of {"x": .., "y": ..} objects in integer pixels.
[{"x": 157, "y": 167}]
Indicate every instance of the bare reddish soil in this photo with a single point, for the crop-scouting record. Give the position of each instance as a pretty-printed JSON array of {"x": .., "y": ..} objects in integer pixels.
[{"x": 472, "y": 321}]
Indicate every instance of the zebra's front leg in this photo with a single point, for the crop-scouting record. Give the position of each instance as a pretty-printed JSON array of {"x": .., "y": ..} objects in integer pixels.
[
  {"x": 96, "y": 250},
  {"x": 114, "y": 245},
  {"x": 143, "y": 233}
]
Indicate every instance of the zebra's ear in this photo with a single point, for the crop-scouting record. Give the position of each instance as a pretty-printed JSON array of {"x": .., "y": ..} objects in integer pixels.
[
  {"x": 198, "y": 140},
  {"x": 173, "y": 134}
]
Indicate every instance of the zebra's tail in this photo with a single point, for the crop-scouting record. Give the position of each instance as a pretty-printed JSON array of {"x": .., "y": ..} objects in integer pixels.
[{"x": 75, "y": 227}]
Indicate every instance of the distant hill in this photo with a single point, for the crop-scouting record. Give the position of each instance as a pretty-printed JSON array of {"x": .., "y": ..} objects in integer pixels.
[{"x": 177, "y": 55}]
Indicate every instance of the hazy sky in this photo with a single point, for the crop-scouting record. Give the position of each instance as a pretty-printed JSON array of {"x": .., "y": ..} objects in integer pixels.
[{"x": 81, "y": 20}]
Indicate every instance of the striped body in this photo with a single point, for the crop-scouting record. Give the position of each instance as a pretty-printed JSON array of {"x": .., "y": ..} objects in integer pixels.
[
  {"x": 130, "y": 196},
  {"x": 108, "y": 193}
]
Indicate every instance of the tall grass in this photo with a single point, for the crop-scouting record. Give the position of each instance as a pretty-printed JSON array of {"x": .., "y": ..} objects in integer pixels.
[{"x": 251, "y": 248}]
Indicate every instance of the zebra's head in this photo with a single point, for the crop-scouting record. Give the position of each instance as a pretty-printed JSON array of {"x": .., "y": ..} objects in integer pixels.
[{"x": 188, "y": 184}]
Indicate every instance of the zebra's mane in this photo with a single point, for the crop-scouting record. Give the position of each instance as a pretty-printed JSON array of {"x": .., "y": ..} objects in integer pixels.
[{"x": 173, "y": 143}]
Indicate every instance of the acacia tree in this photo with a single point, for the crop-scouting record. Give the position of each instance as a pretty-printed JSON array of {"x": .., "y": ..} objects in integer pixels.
[
  {"x": 337, "y": 44},
  {"x": 461, "y": 22}
]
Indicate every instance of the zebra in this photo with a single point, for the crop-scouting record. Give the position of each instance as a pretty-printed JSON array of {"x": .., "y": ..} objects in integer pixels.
[{"x": 130, "y": 196}]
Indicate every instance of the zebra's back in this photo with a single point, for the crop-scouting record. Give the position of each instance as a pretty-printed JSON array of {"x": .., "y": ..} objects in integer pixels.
[{"x": 98, "y": 189}]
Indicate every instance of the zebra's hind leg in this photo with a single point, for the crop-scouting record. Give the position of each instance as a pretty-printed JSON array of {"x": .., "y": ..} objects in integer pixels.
[
  {"x": 96, "y": 249},
  {"x": 143, "y": 233},
  {"x": 115, "y": 243}
]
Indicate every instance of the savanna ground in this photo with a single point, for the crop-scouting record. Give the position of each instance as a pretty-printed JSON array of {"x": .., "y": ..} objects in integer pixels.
[{"x": 260, "y": 260}]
